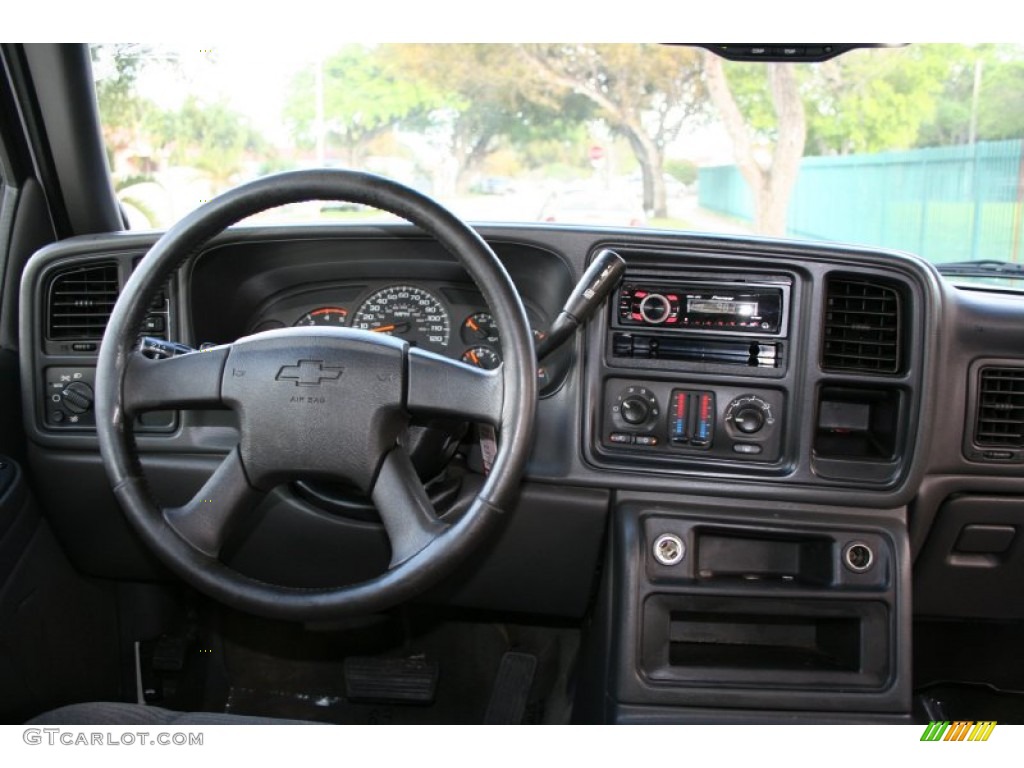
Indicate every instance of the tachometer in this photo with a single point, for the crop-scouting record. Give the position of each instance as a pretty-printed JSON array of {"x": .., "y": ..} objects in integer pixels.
[
  {"x": 324, "y": 316},
  {"x": 407, "y": 312}
]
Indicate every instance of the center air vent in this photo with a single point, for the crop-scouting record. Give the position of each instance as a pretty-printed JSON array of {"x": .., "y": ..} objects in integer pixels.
[
  {"x": 862, "y": 327},
  {"x": 1000, "y": 414},
  {"x": 81, "y": 301}
]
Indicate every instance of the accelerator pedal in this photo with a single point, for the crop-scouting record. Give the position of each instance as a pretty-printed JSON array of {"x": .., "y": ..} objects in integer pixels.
[
  {"x": 511, "y": 689},
  {"x": 412, "y": 680}
]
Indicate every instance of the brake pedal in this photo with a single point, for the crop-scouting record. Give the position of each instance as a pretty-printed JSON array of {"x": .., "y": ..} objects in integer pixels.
[{"x": 411, "y": 680}]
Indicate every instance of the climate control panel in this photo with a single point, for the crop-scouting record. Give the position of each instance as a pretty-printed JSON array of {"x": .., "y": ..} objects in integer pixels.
[{"x": 678, "y": 418}]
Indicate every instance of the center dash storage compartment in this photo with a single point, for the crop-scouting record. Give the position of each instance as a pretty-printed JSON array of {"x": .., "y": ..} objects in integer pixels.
[
  {"x": 857, "y": 423},
  {"x": 765, "y": 641}
]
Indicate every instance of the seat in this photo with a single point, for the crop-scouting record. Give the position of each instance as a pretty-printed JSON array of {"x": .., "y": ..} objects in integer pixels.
[{"x": 122, "y": 713}]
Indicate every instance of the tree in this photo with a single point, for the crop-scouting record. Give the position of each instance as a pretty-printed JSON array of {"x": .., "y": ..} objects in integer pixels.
[
  {"x": 950, "y": 121},
  {"x": 782, "y": 132},
  {"x": 1001, "y": 97},
  {"x": 682, "y": 170},
  {"x": 646, "y": 93},
  {"x": 876, "y": 100},
  {"x": 125, "y": 115},
  {"x": 363, "y": 98},
  {"x": 918, "y": 96},
  {"x": 213, "y": 138},
  {"x": 476, "y": 101}
]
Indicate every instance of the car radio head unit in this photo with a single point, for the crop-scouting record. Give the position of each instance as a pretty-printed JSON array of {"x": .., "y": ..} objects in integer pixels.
[{"x": 708, "y": 307}]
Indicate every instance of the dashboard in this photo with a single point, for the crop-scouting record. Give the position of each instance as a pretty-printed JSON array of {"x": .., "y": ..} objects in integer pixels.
[{"x": 756, "y": 433}]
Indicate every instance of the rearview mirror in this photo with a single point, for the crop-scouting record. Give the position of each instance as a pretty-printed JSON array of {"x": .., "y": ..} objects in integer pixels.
[{"x": 785, "y": 51}]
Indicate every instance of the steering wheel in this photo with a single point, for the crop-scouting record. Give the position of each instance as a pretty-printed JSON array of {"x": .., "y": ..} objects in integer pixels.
[{"x": 320, "y": 402}]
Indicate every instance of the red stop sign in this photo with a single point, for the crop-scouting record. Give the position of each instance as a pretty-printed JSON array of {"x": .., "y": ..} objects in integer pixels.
[{"x": 596, "y": 152}]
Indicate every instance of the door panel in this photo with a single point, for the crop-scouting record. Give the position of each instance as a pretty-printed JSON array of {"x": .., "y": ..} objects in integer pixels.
[{"x": 58, "y": 631}]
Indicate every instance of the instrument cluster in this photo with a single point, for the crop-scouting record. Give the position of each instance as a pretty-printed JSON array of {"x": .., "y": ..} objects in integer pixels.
[{"x": 449, "y": 319}]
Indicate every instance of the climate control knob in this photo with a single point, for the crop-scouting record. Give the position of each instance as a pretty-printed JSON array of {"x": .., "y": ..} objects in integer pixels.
[
  {"x": 748, "y": 420},
  {"x": 636, "y": 407},
  {"x": 749, "y": 414},
  {"x": 634, "y": 410}
]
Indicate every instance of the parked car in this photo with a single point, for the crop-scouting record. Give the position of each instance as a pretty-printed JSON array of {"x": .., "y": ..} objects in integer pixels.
[
  {"x": 594, "y": 206},
  {"x": 494, "y": 185}
]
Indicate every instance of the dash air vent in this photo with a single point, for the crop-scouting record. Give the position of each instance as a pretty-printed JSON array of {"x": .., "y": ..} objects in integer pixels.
[
  {"x": 81, "y": 300},
  {"x": 862, "y": 327},
  {"x": 1000, "y": 413}
]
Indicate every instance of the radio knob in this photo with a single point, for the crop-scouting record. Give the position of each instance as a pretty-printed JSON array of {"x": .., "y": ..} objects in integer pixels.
[
  {"x": 655, "y": 309},
  {"x": 634, "y": 410}
]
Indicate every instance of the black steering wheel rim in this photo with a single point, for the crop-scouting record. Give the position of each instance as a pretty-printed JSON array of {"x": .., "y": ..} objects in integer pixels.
[{"x": 422, "y": 568}]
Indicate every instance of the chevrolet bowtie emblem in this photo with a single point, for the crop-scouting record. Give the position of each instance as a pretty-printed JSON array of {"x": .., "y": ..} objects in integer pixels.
[{"x": 309, "y": 373}]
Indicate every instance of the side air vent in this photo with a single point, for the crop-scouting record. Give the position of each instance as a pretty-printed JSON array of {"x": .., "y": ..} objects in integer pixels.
[
  {"x": 81, "y": 300},
  {"x": 999, "y": 420},
  {"x": 862, "y": 327}
]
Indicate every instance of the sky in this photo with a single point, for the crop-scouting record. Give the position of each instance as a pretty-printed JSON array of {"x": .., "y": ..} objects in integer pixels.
[
  {"x": 256, "y": 84},
  {"x": 244, "y": 73},
  {"x": 260, "y": 46},
  {"x": 312, "y": 22}
]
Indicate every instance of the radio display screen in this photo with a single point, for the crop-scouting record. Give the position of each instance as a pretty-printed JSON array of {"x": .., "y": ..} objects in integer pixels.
[
  {"x": 732, "y": 307},
  {"x": 705, "y": 307}
]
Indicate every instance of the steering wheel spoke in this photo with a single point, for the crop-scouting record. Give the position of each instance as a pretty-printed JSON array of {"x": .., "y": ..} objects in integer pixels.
[
  {"x": 439, "y": 386},
  {"x": 187, "y": 381},
  {"x": 205, "y": 521},
  {"x": 404, "y": 507}
]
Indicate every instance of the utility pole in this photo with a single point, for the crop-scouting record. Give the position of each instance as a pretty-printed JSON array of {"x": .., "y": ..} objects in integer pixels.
[
  {"x": 319, "y": 128},
  {"x": 972, "y": 132}
]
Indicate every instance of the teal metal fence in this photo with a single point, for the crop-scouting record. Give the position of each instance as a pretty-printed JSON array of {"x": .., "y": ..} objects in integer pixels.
[{"x": 945, "y": 203}]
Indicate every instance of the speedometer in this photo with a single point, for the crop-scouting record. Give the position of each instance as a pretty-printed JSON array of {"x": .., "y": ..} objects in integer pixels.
[{"x": 406, "y": 312}]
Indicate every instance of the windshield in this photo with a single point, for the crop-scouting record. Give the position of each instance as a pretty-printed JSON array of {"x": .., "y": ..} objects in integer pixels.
[{"x": 917, "y": 148}]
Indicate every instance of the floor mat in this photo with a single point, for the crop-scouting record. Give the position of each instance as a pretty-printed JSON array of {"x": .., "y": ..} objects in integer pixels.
[
  {"x": 967, "y": 701},
  {"x": 973, "y": 652},
  {"x": 969, "y": 671}
]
